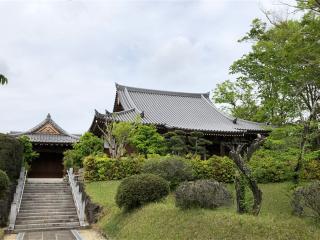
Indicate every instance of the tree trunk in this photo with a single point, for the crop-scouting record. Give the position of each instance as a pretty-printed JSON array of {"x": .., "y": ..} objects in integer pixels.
[
  {"x": 240, "y": 193},
  {"x": 257, "y": 195},
  {"x": 241, "y": 157}
]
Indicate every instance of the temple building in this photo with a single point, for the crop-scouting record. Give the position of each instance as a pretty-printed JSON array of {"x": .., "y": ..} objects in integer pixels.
[
  {"x": 50, "y": 141},
  {"x": 170, "y": 111}
]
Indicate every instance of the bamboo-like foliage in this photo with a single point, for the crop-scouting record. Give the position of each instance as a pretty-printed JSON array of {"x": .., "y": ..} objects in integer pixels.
[{"x": 3, "y": 80}]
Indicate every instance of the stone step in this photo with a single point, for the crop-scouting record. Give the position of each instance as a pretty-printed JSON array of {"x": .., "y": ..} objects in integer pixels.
[
  {"x": 45, "y": 227},
  {"x": 61, "y": 207},
  {"x": 46, "y": 216},
  {"x": 44, "y": 221},
  {"x": 46, "y": 212},
  {"x": 44, "y": 208},
  {"x": 48, "y": 199},
  {"x": 47, "y": 185},
  {"x": 44, "y": 187},
  {"x": 47, "y": 191},
  {"x": 47, "y": 194},
  {"x": 45, "y": 198}
]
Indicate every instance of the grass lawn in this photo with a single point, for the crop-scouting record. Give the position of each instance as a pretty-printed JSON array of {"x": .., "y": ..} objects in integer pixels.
[
  {"x": 1, "y": 233},
  {"x": 164, "y": 221}
]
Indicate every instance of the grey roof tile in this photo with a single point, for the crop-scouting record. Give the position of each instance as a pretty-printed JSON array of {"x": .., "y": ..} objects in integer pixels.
[{"x": 189, "y": 111}]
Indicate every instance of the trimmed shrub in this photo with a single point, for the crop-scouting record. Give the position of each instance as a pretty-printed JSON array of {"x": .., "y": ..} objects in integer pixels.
[
  {"x": 221, "y": 169},
  {"x": 101, "y": 167},
  {"x": 137, "y": 190},
  {"x": 203, "y": 194},
  {"x": 11, "y": 156},
  {"x": 174, "y": 169},
  {"x": 4, "y": 183},
  {"x": 306, "y": 200}
]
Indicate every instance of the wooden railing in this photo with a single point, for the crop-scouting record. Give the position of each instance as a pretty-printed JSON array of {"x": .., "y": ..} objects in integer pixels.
[
  {"x": 15, "y": 205},
  {"x": 77, "y": 197}
]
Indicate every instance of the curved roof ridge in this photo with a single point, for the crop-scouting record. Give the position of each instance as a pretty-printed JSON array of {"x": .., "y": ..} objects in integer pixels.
[
  {"x": 215, "y": 108},
  {"x": 231, "y": 117},
  {"x": 47, "y": 120},
  {"x": 133, "y": 105},
  {"x": 124, "y": 111},
  {"x": 162, "y": 92}
]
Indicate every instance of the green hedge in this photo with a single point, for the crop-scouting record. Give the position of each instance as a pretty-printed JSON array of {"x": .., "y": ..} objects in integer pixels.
[
  {"x": 221, "y": 169},
  {"x": 172, "y": 168},
  {"x": 102, "y": 167},
  {"x": 11, "y": 156}
]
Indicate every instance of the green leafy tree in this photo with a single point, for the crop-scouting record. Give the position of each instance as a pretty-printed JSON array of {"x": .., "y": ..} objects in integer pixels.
[
  {"x": 88, "y": 144},
  {"x": 3, "y": 80},
  {"x": 283, "y": 71},
  {"x": 176, "y": 142},
  {"x": 198, "y": 144},
  {"x": 117, "y": 136},
  {"x": 313, "y": 5},
  {"x": 147, "y": 140},
  {"x": 280, "y": 73},
  {"x": 238, "y": 99},
  {"x": 28, "y": 153}
]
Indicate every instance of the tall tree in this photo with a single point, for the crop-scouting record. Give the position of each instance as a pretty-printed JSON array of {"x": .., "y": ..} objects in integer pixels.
[{"x": 281, "y": 70}]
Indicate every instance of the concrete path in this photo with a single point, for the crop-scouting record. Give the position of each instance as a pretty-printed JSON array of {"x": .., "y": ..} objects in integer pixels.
[
  {"x": 49, "y": 235},
  {"x": 91, "y": 234}
]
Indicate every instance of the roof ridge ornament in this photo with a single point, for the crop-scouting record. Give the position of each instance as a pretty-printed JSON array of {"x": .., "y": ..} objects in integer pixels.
[
  {"x": 49, "y": 116},
  {"x": 235, "y": 120}
]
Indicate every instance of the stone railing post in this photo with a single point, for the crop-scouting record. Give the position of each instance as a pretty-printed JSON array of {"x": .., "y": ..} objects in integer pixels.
[
  {"x": 77, "y": 197},
  {"x": 15, "y": 205}
]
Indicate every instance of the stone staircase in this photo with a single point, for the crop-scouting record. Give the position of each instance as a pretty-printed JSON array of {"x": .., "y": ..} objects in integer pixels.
[{"x": 46, "y": 206}]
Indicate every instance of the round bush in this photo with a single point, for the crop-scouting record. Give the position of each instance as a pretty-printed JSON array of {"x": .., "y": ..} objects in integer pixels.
[
  {"x": 202, "y": 193},
  {"x": 4, "y": 183},
  {"x": 137, "y": 190},
  {"x": 173, "y": 169}
]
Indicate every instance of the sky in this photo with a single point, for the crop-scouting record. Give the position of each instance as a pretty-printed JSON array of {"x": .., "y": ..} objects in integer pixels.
[{"x": 64, "y": 57}]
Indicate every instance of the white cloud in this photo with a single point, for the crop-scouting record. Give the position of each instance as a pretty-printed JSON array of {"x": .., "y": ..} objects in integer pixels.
[{"x": 63, "y": 57}]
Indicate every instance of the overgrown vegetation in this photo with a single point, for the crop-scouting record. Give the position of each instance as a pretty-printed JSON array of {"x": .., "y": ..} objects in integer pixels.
[
  {"x": 4, "y": 183},
  {"x": 203, "y": 194},
  {"x": 88, "y": 144},
  {"x": 11, "y": 156},
  {"x": 138, "y": 190}
]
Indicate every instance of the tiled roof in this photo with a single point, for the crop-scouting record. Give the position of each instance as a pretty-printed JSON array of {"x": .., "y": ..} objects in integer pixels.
[
  {"x": 188, "y": 111},
  {"x": 48, "y": 131}
]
